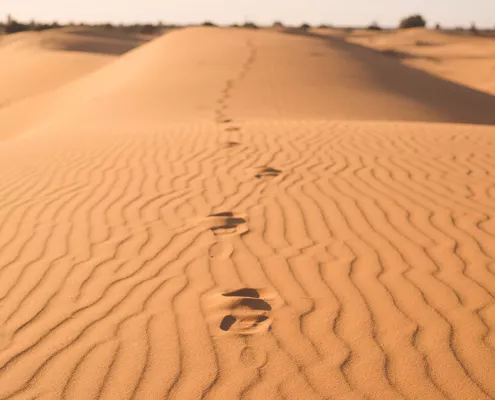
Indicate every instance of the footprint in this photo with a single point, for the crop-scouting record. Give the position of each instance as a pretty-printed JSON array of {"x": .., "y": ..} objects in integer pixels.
[
  {"x": 267, "y": 172},
  {"x": 220, "y": 250},
  {"x": 252, "y": 358},
  {"x": 247, "y": 312},
  {"x": 229, "y": 145},
  {"x": 232, "y": 129},
  {"x": 227, "y": 223},
  {"x": 226, "y": 121}
]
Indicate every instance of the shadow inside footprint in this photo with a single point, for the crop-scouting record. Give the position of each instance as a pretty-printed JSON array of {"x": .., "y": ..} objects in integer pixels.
[
  {"x": 247, "y": 292},
  {"x": 230, "y": 223},
  {"x": 227, "y": 322},
  {"x": 268, "y": 172},
  {"x": 261, "y": 318},
  {"x": 226, "y": 223},
  {"x": 229, "y": 145},
  {"x": 222, "y": 214},
  {"x": 255, "y": 304}
]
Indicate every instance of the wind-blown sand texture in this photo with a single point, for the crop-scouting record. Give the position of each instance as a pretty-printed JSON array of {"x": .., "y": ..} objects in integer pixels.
[{"x": 227, "y": 214}]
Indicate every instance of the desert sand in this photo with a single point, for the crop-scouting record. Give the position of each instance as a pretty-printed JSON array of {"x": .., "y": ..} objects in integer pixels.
[
  {"x": 462, "y": 57},
  {"x": 231, "y": 213}
]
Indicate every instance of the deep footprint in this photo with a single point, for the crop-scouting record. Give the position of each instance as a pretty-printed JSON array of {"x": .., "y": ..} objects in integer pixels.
[
  {"x": 247, "y": 313},
  {"x": 247, "y": 292},
  {"x": 225, "y": 223},
  {"x": 268, "y": 172}
]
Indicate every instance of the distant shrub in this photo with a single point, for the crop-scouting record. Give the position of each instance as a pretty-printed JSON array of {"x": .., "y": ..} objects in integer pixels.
[
  {"x": 147, "y": 29},
  {"x": 438, "y": 27},
  {"x": 414, "y": 21},
  {"x": 234, "y": 26},
  {"x": 474, "y": 30},
  {"x": 305, "y": 27},
  {"x": 42, "y": 27},
  {"x": 15, "y": 27},
  {"x": 374, "y": 26},
  {"x": 208, "y": 23},
  {"x": 278, "y": 24},
  {"x": 324, "y": 26},
  {"x": 250, "y": 25}
]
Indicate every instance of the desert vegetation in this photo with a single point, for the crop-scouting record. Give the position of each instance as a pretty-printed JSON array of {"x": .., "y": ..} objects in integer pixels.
[
  {"x": 374, "y": 26},
  {"x": 250, "y": 25},
  {"x": 14, "y": 26},
  {"x": 474, "y": 30},
  {"x": 413, "y": 21}
]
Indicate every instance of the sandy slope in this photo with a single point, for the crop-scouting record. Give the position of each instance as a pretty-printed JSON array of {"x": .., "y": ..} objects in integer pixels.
[
  {"x": 36, "y": 62},
  {"x": 466, "y": 59},
  {"x": 144, "y": 198}
]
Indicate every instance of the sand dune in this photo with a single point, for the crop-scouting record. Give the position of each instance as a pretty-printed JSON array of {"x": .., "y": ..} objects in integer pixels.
[
  {"x": 466, "y": 59},
  {"x": 226, "y": 214},
  {"x": 36, "y": 62}
]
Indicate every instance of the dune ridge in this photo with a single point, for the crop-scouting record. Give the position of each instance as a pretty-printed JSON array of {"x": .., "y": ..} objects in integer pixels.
[
  {"x": 461, "y": 57},
  {"x": 217, "y": 236}
]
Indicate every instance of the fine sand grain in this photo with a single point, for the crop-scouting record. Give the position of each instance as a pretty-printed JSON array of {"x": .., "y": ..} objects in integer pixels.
[{"x": 226, "y": 214}]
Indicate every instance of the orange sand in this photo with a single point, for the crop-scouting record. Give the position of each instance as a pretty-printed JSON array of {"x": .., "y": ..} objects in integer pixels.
[{"x": 226, "y": 214}]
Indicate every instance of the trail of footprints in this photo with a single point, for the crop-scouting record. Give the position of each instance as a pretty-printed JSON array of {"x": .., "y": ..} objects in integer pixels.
[{"x": 246, "y": 312}]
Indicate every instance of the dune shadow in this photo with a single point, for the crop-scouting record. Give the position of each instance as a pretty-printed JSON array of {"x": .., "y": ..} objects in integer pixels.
[
  {"x": 98, "y": 41},
  {"x": 401, "y": 55},
  {"x": 454, "y": 102}
]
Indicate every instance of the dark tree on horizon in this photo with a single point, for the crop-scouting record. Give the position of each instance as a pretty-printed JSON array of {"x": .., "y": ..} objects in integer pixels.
[{"x": 414, "y": 21}]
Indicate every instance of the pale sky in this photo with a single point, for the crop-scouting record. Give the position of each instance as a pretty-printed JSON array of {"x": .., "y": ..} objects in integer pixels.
[{"x": 337, "y": 12}]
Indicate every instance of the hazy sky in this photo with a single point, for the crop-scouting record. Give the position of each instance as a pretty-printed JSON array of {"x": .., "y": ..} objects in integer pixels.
[{"x": 338, "y": 12}]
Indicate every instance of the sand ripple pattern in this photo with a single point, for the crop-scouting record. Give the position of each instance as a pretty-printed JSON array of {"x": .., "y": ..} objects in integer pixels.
[{"x": 374, "y": 244}]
